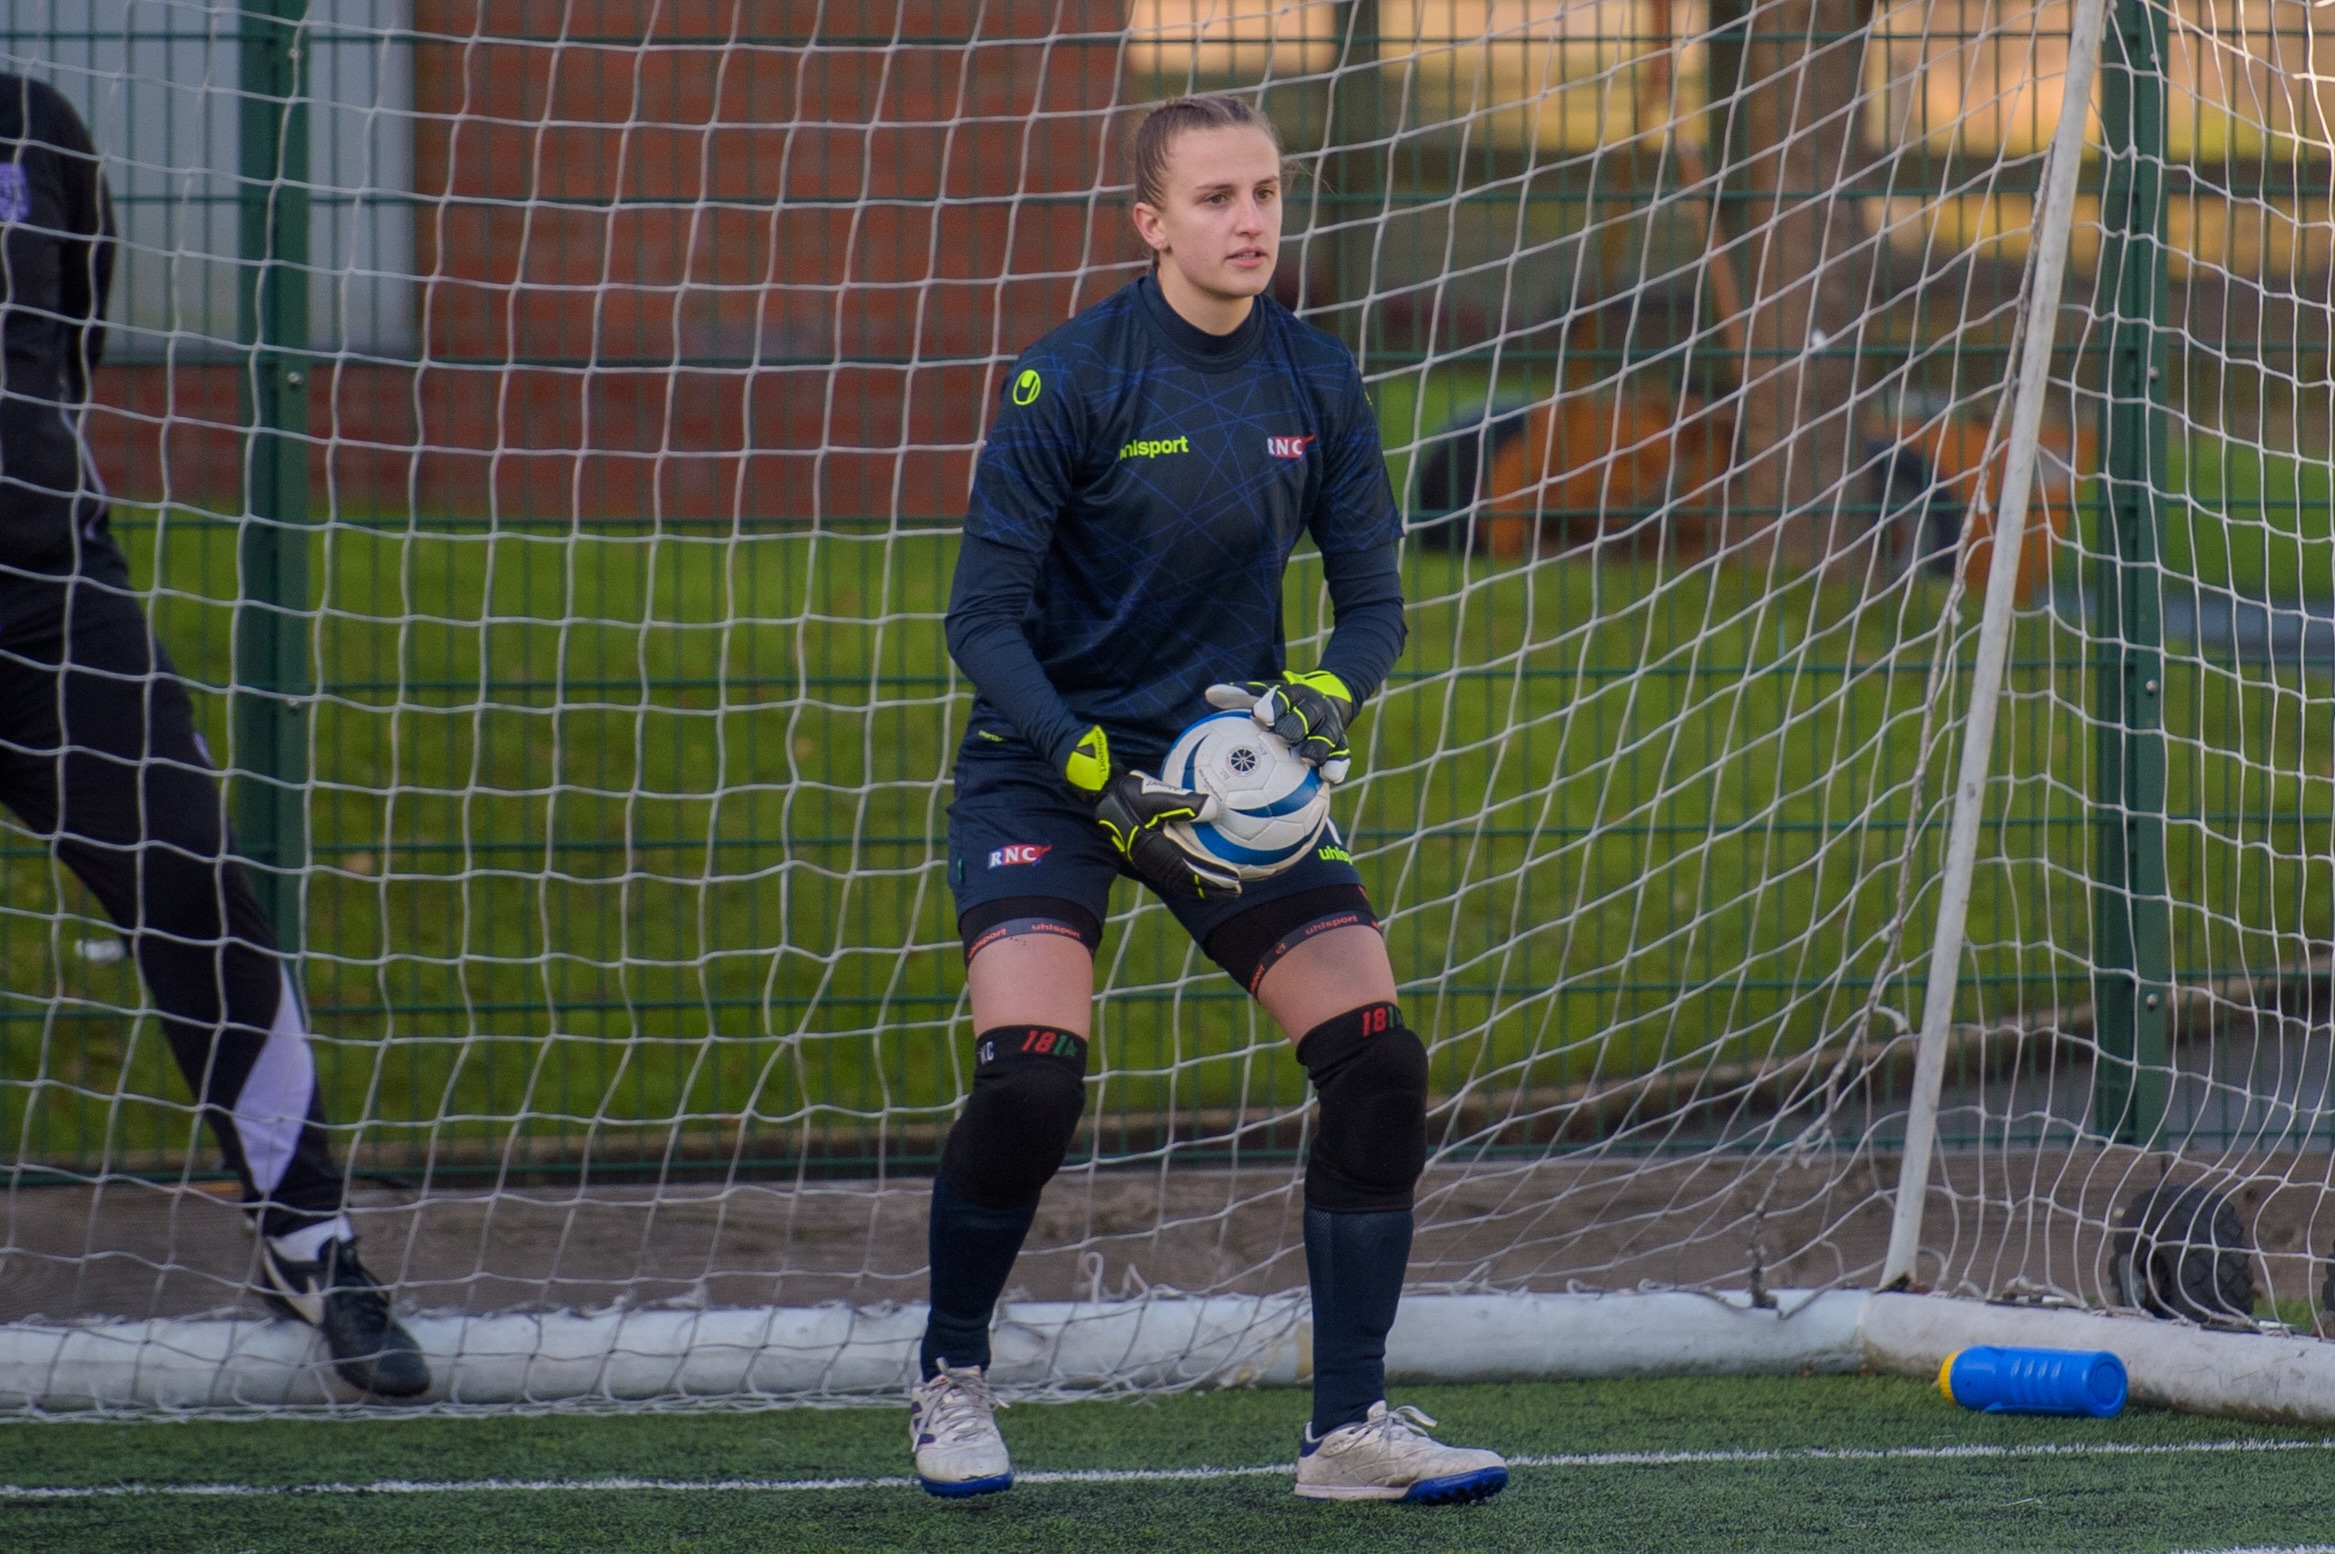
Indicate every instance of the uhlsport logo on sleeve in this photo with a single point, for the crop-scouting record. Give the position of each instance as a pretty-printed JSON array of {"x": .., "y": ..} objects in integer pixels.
[
  {"x": 1288, "y": 447},
  {"x": 1014, "y": 853}
]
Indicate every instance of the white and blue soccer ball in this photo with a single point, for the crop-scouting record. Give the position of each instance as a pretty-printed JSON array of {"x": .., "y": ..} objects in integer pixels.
[{"x": 1271, "y": 807}]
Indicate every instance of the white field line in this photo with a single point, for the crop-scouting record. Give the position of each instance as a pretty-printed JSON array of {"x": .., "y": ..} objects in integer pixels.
[
  {"x": 2271, "y": 1548},
  {"x": 1613, "y": 1459}
]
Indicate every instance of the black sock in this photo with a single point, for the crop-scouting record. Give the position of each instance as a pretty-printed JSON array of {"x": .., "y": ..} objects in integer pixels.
[
  {"x": 1355, "y": 1263},
  {"x": 972, "y": 1251}
]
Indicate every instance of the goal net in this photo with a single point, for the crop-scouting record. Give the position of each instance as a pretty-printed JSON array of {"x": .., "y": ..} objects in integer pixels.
[{"x": 540, "y": 431}]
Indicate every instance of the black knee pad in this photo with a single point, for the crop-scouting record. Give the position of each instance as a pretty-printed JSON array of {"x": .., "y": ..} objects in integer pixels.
[
  {"x": 1029, "y": 1087},
  {"x": 1371, "y": 1143}
]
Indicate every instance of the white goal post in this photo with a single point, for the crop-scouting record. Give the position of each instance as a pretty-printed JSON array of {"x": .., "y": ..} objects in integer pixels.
[{"x": 2038, "y": 330}]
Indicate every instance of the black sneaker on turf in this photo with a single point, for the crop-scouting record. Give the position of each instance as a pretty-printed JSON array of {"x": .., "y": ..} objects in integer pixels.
[{"x": 337, "y": 1297}]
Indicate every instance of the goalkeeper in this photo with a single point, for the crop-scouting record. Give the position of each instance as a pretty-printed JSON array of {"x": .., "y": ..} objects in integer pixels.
[
  {"x": 99, "y": 755},
  {"x": 1152, "y": 467}
]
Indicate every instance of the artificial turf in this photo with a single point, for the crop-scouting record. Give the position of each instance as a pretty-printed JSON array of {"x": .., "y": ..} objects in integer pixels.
[{"x": 2080, "y": 1499}]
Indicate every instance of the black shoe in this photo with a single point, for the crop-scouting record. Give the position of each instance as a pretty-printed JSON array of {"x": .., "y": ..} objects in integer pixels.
[{"x": 336, "y": 1296}]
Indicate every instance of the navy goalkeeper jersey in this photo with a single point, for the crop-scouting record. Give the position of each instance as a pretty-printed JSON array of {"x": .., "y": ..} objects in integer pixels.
[{"x": 1156, "y": 479}]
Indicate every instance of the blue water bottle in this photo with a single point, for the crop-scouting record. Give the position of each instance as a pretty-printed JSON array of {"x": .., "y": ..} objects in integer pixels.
[{"x": 2034, "y": 1381}]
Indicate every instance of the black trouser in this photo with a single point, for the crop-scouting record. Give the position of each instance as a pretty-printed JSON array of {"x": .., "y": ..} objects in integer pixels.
[{"x": 99, "y": 756}]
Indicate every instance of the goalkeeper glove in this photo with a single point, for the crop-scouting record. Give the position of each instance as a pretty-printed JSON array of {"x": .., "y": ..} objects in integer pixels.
[
  {"x": 1089, "y": 766},
  {"x": 1308, "y": 711},
  {"x": 1136, "y": 811}
]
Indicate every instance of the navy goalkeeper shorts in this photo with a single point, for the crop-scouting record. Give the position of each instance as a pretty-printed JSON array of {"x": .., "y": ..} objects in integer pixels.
[{"x": 1015, "y": 830}]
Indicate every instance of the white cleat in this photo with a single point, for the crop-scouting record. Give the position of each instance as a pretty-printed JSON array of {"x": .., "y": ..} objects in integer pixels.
[
  {"x": 1390, "y": 1456},
  {"x": 952, "y": 1424}
]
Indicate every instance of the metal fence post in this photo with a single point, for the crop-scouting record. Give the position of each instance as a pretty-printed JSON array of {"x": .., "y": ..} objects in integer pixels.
[
  {"x": 1358, "y": 168},
  {"x": 271, "y": 638},
  {"x": 2132, "y": 945}
]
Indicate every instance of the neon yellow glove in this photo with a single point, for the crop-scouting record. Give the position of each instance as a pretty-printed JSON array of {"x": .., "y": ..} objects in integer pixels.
[
  {"x": 1089, "y": 766},
  {"x": 1136, "y": 811},
  {"x": 1308, "y": 711}
]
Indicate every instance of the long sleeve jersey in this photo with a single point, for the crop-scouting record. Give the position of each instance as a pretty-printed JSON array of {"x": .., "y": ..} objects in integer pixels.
[{"x": 1135, "y": 509}]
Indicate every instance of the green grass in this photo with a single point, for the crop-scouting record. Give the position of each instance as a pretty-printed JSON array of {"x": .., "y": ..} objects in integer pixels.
[
  {"x": 625, "y": 828},
  {"x": 612, "y": 829},
  {"x": 2070, "y": 1500},
  {"x": 2258, "y": 523}
]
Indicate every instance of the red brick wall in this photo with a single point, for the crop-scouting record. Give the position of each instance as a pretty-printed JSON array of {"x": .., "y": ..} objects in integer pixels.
[{"x": 842, "y": 235}]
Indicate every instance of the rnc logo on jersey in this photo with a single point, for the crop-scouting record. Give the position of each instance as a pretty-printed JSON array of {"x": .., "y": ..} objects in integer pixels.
[
  {"x": 1018, "y": 852},
  {"x": 1288, "y": 447}
]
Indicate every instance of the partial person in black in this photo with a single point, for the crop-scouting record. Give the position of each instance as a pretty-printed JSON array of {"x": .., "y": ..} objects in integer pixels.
[
  {"x": 99, "y": 756},
  {"x": 1153, "y": 465}
]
